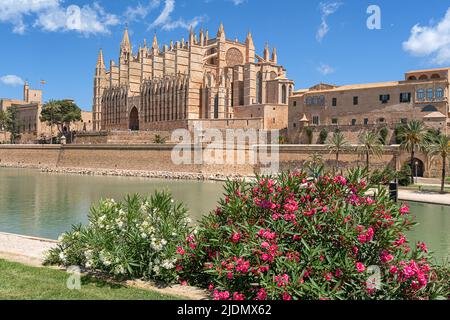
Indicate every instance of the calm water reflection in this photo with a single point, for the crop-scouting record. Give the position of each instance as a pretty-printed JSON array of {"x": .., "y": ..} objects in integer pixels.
[{"x": 46, "y": 205}]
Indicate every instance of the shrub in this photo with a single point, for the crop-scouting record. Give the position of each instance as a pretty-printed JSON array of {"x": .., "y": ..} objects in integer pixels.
[
  {"x": 323, "y": 135},
  {"x": 383, "y": 177},
  {"x": 158, "y": 139},
  {"x": 383, "y": 135},
  {"x": 293, "y": 238},
  {"x": 404, "y": 175},
  {"x": 134, "y": 238},
  {"x": 309, "y": 134}
]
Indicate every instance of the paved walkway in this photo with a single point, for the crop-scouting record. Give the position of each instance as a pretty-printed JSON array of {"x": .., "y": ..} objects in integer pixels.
[
  {"x": 425, "y": 197},
  {"x": 23, "y": 249}
]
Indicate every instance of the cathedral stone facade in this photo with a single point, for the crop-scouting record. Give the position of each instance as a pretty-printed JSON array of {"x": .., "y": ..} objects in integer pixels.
[{"x": 214, "y": 80}]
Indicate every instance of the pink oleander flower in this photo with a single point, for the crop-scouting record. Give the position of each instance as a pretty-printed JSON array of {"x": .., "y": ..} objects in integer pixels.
[
  {"x": 282, "y": 281},
  {"x": 262, "y": 294},
  {"x": 265, "y": 245},
  {"x": 184, "y": 283},
  {"x": 404, "y": 210},
  {"x": 230, "y": 275},
  {"x": 338, "y": 273},
  {"x": 217, "y": 295},
  {"x": 211, "y": 287},
  {"x": 393, "y": 270},
  {"x": 360, "y": 267},
  {"x": 362, "y": 238},
  {"x": 341, "y": 180},
  {"x": 235, "y": 237},
  {"x": 180, "y": 250},
  {"x": 386, "y": 257},
  {"x": 286, "y": 297},
  {"x": 238, "y": 296},
  {"x": 422, "y": 246}
]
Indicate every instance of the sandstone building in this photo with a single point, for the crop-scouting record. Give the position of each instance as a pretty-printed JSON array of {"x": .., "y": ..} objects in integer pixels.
[
  {"x": 219, "y": 82},
  {"x": 422, "y": 95},
  {"x": 29, "y": 111}
]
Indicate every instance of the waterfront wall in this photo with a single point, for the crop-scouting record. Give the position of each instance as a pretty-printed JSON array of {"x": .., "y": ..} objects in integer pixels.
[{"x": 158, "y": 158}]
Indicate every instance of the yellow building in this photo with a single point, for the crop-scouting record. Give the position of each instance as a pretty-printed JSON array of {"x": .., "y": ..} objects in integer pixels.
[{"x": 422, "y": 95}]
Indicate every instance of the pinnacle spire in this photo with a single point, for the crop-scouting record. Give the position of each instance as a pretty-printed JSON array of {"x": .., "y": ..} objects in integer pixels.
[
  {"x": 126, "y": 39},
  {"x": 221, "y": 32},
  {"x": 155, "y": 42},
  {"x": 274, "y": 55},
  {"x": 100, "y": 60},
  {"x": 266, "y": 52}
]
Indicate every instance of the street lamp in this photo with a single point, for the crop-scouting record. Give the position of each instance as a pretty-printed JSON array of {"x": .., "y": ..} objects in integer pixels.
[{"x": 417, "y": 176}]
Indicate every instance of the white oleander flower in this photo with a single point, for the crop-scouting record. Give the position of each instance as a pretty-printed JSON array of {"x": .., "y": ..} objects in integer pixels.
[
  {"x": 143, "y": 235},
  {"x": 163, "y": 242},
  {"x": 62, "y": 256}
]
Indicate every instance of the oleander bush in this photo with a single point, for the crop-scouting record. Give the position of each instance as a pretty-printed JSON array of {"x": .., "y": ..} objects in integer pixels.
[
  {"x": 293, "y": 238},
  {"x": 382, "y": 177},
  {"x": 136, "y": 238}
]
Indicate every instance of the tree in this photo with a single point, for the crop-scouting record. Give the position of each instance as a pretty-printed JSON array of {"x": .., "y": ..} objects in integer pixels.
[
  {"x": 441, "y": 147},
  {"x": 413, "y": 138},
  {"x": 336, "y": 144},
  {"x": 323, "y": 135},
  {"x": 12, "y": 123},
  {"x": 2, "y": 120},
  {"x": 383, "y": 133},
  {"x": 60, "y": 113},
  {"x": 370, "y": 144}
]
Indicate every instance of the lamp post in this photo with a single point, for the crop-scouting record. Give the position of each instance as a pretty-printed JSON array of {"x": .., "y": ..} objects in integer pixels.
[{"x": 417, "y": 176}]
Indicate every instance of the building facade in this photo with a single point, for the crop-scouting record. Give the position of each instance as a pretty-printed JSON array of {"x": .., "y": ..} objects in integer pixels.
[
  {"x": 214, "y": 80},
  {"x": 422, "y": 95},
  {"x": 28, "y": 114}
]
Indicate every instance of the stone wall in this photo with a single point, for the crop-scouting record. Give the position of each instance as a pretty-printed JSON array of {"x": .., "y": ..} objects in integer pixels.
[
  {"x": 159, "y": 158},
  {"x": 29, "y": 155}
]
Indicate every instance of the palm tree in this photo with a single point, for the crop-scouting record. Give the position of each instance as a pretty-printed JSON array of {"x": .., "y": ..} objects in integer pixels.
[
  {"x": 413, "y": 138},
  {"x": 370, "y": 144},
  {"x": 336, "y": 144},
  {"x": 2, "y": 120},
  {"x": 441, "y": 147}
]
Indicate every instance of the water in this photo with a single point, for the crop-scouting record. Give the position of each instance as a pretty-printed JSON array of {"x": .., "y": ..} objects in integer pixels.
[{"x": 45, "y": 205}]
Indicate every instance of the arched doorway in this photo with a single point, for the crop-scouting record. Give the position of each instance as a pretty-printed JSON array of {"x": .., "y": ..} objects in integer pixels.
[
  {"x": 134, "y": 119},
  {"x": 418, "y": 168}
]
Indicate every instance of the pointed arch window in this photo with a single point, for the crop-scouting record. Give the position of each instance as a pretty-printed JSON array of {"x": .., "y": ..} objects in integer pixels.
[
  {"x": 259, "y": 81},
  {"x": 283, "y": 94}
]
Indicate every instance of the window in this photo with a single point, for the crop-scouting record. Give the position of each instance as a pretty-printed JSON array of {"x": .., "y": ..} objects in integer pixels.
[
  {"x": 294, "y": 125},
  {"x": 404, "y": 120},
  {"x": 353, "y": 122},
  {"x": 405, "y": 97},
  {"x": 439, "y": 94},
  {"x": 366, "y": 121},
  {"x": 316, "y": 100},
  {"x": 429, "y": 108},
  {"x": 273, "y": 120},
  {"x": 295, "y": 103},
  {"x": 384, "y": 98},
  {"x": 283, "y": 94},
  {"x": 315, "y": 120},
  {"x": 259, "y": 81},
  {"x": 322, "y": 100},
  {"x": 430, "y": 94},
  {"x": 381, "y": 120},
  {"x": 334, "y": 102},
  {"x": 308, "y": 100},
  {"x": 334, "y": 121},
  {"x": 421, "y": 95},
  {"x": 355, "y": 101}
]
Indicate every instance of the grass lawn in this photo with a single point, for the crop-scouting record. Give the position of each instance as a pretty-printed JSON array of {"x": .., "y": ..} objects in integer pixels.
[
  {"x": 425, "y": 188},
  {"x": 20, "y": 282}
]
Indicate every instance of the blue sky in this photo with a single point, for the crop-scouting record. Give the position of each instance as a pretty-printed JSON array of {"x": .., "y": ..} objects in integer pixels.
[{"x": 317, "y": 41}]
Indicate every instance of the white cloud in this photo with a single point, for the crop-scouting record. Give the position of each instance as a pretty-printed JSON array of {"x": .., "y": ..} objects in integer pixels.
[
  {"x": 11, "y": 80},
  {"x": 50, "y": 15},
  {"x": 431, "y": 41},
  {"x": 325, "y": 69},
  {"x": 238, "y": 2},
  {"x": 140, "y": 11},
  {"x": 326, "y": 9},
  {"x": 165, "y": 21}
]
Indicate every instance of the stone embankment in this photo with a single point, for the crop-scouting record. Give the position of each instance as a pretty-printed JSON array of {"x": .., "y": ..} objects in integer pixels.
[{"x": 131, "y": 173}]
